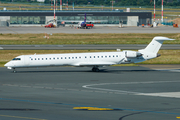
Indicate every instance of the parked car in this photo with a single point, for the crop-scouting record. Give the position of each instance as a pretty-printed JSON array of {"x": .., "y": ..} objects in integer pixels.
[{"x": 50, "y": 25}]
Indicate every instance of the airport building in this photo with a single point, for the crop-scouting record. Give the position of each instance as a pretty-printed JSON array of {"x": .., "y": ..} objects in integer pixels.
[{"x": 104, "y": 18}]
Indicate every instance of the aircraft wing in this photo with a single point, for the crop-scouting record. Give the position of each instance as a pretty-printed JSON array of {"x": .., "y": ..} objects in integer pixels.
[{"x": 94, "y": 64}]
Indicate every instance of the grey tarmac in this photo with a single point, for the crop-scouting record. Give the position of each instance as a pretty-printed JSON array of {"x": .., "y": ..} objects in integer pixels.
[
  {"x": 67, "y": 93},
  {"x": 85, "y": 47},
  {"x": 96, "y": 29}
]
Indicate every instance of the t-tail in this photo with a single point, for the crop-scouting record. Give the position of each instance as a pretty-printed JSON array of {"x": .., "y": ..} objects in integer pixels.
[
  {"x": 153, "y": 47},
  {"x": 85, "y": 18}
]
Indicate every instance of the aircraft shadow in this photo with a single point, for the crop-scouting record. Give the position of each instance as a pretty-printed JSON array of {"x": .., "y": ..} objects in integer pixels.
[{"x": 85, "y": 71}]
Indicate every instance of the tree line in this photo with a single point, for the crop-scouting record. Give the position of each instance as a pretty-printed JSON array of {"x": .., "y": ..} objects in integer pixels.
[{"x": 108, "y": 2}]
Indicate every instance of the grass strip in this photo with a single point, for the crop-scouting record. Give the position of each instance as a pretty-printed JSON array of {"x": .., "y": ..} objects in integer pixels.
[{"x": 66, "y": 39}]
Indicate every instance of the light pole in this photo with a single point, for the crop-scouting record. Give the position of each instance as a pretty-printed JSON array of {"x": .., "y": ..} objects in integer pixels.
[
  {"x": 60, "y": 4},
  {"x": 54, "y": 10},
  {"x": 51, "y": 5},
  {"x": 56, "y": 4},
  {"x": 73, "y": 6},
  {"x": 162, "y": 12},
  {"x": 112, "y": 3},
  {"x": 154, "y": 9},
  {"x": 67, "y": 5},
  {"x": 54, "y": 15}
]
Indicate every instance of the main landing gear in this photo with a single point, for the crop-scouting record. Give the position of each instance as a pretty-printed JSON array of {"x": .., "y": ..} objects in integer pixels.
[
  {"x": 14, "y": 71},
  {"x": 95, "y": 69}
]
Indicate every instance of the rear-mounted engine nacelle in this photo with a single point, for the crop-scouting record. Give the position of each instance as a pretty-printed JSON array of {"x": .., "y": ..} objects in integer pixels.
[{"x": 132, "y": 54}]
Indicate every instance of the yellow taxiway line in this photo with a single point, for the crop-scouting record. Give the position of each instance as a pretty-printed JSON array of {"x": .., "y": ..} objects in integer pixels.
[{"x": 91, "y": 108}]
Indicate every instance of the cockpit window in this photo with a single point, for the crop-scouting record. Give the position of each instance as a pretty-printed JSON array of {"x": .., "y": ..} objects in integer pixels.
[{"x": 16, "y": 59}]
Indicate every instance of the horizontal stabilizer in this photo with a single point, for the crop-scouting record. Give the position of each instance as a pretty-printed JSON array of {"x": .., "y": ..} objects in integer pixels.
[{"x": 162, "y": 38}]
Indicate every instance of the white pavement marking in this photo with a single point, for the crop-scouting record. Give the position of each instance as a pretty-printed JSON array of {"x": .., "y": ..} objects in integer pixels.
[
  {"x": 175, "y": 70},
  {"x": 101, "y": 90},
  {"x": 163, "y": 94},
  {"x": 1, "y": 48},
  {"x": 171, "y": 70}
]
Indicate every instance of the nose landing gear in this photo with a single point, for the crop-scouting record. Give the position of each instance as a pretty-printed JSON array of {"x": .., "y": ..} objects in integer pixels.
[{"x": 14, "y": 71}]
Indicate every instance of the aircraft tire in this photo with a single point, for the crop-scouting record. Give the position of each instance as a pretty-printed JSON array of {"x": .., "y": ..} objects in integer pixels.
[
  {"x": 14, "y": 70},
  {"x": 95, "y": 69}
]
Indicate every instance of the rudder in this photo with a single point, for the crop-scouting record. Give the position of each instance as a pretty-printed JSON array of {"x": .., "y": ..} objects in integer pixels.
[{"x": 156, "y": 44}]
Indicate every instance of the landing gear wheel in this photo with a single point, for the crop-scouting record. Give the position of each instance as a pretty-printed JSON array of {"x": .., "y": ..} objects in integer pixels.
[
  {"x": 14, "y": 71},
  {"x": 97, "y": 69},
  {"x": 94, "y": 69}
]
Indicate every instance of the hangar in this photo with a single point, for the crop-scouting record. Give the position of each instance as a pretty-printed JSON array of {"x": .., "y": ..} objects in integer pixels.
[{"x": 40, "y": 18}]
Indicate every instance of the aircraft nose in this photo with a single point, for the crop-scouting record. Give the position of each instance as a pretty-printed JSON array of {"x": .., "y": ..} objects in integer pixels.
[{"x": 8, "y": 64}]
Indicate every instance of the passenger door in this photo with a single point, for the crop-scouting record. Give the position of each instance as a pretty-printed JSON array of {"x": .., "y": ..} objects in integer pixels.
[{"x": 26, "y": 60}]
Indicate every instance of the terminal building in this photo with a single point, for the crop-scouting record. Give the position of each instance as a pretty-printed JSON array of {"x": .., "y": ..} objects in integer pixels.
[{"x": 104, "y": 18}]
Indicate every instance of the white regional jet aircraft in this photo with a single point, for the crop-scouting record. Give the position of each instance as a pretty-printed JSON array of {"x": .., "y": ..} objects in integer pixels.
[{"x": 94, "y": 60}]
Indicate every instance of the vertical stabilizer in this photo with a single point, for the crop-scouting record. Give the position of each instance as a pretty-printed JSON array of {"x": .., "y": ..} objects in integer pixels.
[
  {"x": 85, "y": 18},
  {"x": 155, "y": 44}
]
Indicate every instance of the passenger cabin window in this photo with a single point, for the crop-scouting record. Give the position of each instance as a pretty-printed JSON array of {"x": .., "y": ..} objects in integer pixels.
[
  {"x": 61, "y": 57},
  {"x": 54, "y": 58},
  {"x": 46, "y": 58},
  {"x": 98, "y": 56},
  {"x": 94, "y": 57},
  {"x": 116, "y": 55},
  {"x": 57, "y": 58},
  {"x": 76, "y": 57},
  {"x": 31, "y": 59},
  {"x": 38, "y": 58},
  {"x": 79, "y": 57},
  {"x": 42, "y": 58}
]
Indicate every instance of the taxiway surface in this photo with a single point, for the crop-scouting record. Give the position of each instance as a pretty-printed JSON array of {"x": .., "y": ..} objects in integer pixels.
[
  {"x": 23, "y": 30},
  {"x": 84, "y": 47},
  {"x": 66, "y": 93}
]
